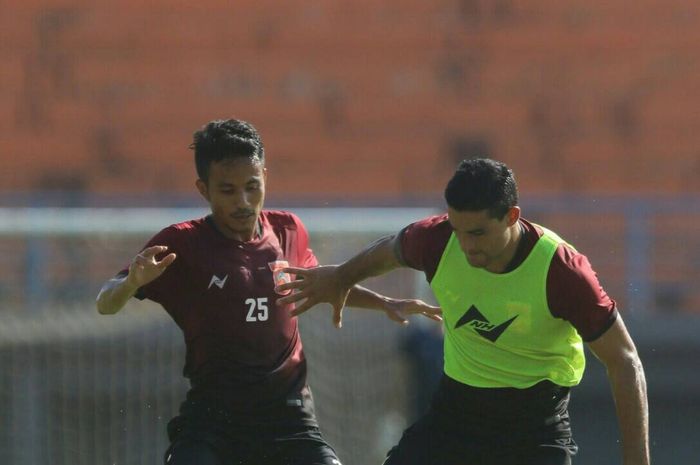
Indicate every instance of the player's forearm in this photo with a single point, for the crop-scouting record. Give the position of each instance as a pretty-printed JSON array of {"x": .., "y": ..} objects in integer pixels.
[
  {"x": 630, "y": 392},
  {"x": 377, "y": 259},
  {"x": 114, "y": 295},
  {"x": 365, "y": 298}
]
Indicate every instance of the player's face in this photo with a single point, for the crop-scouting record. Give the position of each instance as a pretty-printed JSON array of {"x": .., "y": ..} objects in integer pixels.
[
  {"x": 235, "y": 192},
  {"x": 487, "y": 242}
]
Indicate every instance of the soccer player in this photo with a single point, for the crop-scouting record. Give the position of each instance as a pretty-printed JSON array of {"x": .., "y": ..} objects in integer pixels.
[
  {"x": 249, "y": 403},
  {"x": 518, "y": 302}
]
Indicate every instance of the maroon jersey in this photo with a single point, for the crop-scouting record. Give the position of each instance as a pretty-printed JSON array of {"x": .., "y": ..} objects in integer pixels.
[
  {"x": 243, "y": 348},
  {"x": 573, "y": 290}
]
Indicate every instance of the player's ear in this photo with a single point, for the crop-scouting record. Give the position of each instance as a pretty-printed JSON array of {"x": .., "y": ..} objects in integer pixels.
[
  {"x": 513, "y": 215},
  {"x": 203, "y": 189},
  {"x": 265, "y": 175}
]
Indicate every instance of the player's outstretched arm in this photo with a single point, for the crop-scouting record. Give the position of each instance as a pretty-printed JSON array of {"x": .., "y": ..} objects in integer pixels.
[
  {"x": 332, "y": 284},
  {"x": 143, "y": 269},
  {"x": 396, "y": 309},
  {"x": 617, "y": 352}
]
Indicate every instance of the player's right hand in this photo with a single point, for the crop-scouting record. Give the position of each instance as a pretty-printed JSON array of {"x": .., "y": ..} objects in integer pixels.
[
  {"x": 144, "y": 268},
  {"x": 313, "y": 286}
]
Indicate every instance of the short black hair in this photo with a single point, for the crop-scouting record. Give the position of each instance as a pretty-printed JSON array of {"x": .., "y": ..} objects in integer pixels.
[
  {"x": 482, "y": 184},
  {"x": 225, "y": 139}
]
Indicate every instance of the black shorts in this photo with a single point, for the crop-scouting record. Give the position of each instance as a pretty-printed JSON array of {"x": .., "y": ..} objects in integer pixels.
[
  {"x": 294, "y": 448},
  {"x": 208, "y": 437},
  {"x": 471, "y": 426}
]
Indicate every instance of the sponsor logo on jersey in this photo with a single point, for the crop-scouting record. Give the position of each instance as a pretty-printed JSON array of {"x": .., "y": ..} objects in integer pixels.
[
  {"x": 219, "y": 282},
  {"x": 479, "y": 323},
  {"x": 279, "y": 276}
]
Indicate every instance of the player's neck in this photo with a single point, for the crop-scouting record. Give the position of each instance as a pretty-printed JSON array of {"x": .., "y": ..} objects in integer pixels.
[
  {"x": 505, "y": 263},
  {"x": 237, "y": 235}
]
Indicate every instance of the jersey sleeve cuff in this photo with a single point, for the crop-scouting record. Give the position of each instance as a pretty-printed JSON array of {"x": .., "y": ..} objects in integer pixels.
[
  {"x": 397, "y": 247},
  {"x": 611, "y": 320}
]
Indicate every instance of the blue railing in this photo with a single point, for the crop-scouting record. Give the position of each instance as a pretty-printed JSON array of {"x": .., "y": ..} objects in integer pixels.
[{"x": 636, "y": 277}]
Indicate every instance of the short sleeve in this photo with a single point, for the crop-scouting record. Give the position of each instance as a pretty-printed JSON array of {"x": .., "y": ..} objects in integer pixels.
[
  {"x": 305, "y": 256},
  {"x": 421, "y": 244},
  {"x": 575, "y": 294}
]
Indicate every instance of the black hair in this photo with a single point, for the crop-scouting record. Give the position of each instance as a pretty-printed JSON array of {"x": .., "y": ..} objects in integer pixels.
[
  {"x": 225, "y": 139},
  {"x": 482, "y": 184}
]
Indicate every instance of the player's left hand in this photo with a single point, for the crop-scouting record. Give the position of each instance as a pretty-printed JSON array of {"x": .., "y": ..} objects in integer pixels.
[{"x": 398, "y": 309}]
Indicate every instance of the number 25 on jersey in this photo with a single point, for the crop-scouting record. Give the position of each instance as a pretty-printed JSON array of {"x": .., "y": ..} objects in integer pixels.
[{"x": 257, "y": 309}]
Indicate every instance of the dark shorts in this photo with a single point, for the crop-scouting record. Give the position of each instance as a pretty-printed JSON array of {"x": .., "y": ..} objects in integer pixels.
[
  {"x": 467, "y": 426},
  {"x": 208, "y": 437},
  {"x": 298, "y": 448},
  {"x": 427, "y": 443}
]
